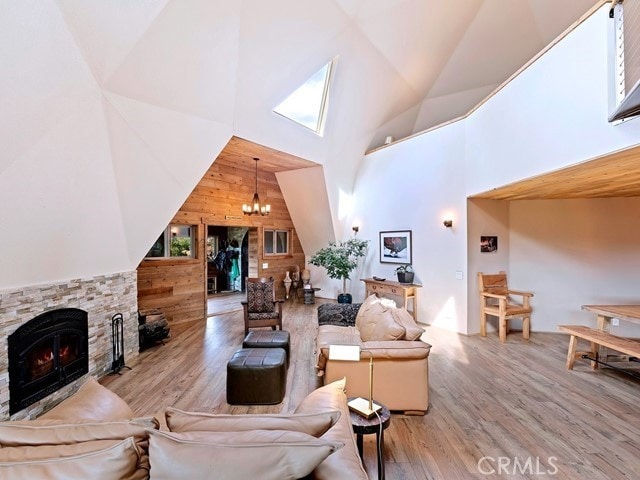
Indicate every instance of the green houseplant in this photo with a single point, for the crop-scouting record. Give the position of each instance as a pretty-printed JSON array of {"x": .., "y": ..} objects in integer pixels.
[
  {"x": 405, "y": 273},
  {"x": 340, "y": 258}
]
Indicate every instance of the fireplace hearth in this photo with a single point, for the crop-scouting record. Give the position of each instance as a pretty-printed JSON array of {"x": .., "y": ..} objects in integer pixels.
[{"x": 45, "y": 354}]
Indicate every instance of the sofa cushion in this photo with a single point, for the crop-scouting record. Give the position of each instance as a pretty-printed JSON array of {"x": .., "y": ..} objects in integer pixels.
[
  {"x": 375, "y": 321},
  {"x": 404, "y": 318},
  {"x": 119, "y": 461},
  {"x": 264, "y": 454},
  {"x": 42, "y": 452},
  {"x": 314, "y": 424},
  {"x": 91, "y": 402},
  {"x": 62, "y": 432},
  {"x": 345, "y": 463}
]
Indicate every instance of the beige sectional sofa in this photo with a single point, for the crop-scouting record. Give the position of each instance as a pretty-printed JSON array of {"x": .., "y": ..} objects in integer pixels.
[
  {"x": 400, "y": 357},
  {"x": 92, "y": 435}
]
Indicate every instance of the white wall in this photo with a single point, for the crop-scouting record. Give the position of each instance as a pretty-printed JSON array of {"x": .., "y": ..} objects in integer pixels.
[
  {"x": 415, "y": 186},
  {"x": 552, "y": 115},
  {"x": 305, "y": 194},
  {"x": 575, "y": 252}
]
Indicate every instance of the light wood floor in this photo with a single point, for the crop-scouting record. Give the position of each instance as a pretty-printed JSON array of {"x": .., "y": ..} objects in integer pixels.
[
  {"x": 220, "y": 303},
  {"x": 515, "y": 401}
]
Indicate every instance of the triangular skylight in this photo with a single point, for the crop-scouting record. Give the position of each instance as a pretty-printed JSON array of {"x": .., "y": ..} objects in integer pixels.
[{"x": 307, "y": 105}]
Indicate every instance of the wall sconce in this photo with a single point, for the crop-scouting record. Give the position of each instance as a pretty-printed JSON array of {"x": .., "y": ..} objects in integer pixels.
[
  {"x": 355, "y": 229},
  {"x": 448, "y": 223}
]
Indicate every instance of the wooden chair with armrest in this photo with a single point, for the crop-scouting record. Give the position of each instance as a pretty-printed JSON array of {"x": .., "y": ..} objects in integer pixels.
[
  {"x": 496, "y": 300},
  {"x": 261, "y": 309}
]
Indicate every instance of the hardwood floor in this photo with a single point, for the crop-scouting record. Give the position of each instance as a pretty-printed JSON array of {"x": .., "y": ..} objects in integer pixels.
[
  {"x": 220, "y": 303},
  {"x": 512, "y": 403}
]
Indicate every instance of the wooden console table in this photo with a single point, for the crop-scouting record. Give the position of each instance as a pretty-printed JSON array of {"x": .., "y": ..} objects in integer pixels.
[{"x": 386, "y": 287}]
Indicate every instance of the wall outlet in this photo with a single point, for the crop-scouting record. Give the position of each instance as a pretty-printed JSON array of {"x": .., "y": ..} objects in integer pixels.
[
  {"x": 265, "y": 265},
  {"x": 615, "y": 322},
  {"x": 459, "y": 275}
]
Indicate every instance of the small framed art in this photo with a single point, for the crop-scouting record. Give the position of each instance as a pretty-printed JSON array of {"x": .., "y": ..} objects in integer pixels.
[
  {"x": 488, "y": 244},
  {"x": 395, "y": 246}
]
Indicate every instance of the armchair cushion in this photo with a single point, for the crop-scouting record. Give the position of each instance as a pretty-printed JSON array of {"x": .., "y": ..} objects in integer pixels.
[
  {"x": 262, "y": 315},
  {"x": 260, "y": 297}
]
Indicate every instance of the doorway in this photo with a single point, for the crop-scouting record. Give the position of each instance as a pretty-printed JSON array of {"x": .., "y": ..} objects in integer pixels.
[{"x": 227, "y": 265}]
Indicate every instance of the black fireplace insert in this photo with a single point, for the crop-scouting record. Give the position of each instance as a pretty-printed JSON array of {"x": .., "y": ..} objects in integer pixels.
[{"x": 45, "y": 354}]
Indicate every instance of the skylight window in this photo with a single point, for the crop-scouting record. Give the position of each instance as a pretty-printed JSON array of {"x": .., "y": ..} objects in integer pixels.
[{"x": 308, "y": 104}]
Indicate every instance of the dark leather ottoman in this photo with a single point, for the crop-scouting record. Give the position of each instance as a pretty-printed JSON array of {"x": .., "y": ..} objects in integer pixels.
[
  {"x": 268, "y": 339},
  {"x": 257, "y": 376}
]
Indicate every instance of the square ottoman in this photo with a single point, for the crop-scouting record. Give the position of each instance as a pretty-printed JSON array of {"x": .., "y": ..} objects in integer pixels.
[
  {"x": 268, "y": 339},
  {"x": 257, "y": 376}
]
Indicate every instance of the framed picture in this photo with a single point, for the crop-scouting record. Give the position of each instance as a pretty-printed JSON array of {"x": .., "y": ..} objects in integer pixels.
[
  {"x": 395, "y": 247},
  {"x": 488, "y": 244}
]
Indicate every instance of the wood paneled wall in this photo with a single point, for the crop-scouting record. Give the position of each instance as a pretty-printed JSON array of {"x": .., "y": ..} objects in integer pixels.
[{"x": 178, "y": 286}]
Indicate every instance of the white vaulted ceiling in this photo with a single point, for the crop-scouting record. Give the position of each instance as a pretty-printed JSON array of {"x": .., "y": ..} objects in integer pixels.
[{"x": 110, "y": 112}]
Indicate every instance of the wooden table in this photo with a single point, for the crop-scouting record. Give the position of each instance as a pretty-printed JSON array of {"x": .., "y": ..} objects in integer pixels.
[
  {"x": 366, "y": 426},
  {"x": 628, "y": 313},
  {"x": 387, "y": 287}
]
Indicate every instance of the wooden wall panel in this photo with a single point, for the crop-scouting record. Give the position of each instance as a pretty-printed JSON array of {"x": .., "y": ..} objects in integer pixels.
[{"x": 178, "y": 286}]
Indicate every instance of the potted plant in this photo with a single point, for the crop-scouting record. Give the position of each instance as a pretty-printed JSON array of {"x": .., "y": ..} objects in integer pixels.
[
  {"x": 340, "y": 258},
  {"x": 405, "y": 273}
]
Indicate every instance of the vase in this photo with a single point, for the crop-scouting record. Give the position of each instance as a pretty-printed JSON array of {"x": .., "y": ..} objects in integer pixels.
[
  {"x": 305, "y": 276},
  {"x": 345, "y": 298},
  {"x": 287, "y": 285}
]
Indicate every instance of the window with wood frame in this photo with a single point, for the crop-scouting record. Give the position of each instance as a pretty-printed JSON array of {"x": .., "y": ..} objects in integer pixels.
[
  {"x": 276, "y": 242},
  {"x": 176, "y": 241}
]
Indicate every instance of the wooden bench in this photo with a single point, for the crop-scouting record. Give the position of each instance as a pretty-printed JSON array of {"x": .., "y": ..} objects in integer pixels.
[{"x": 597, "y": 338}]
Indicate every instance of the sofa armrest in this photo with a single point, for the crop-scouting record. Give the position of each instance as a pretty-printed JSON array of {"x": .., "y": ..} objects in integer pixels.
[{"x": 391, "y": 349}]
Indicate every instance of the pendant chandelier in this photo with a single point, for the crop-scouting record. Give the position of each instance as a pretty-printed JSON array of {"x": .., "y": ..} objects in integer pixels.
[{"x": 255, "y": 207}]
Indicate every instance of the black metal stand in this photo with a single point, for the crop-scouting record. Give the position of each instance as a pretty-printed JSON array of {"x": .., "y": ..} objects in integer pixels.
[
  {"x": 117, "y": 341},
  {"x": 626, "y": 372}
]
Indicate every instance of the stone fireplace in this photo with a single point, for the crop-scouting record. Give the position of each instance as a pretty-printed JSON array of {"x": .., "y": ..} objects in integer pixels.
[
  {"x": 58, "y": 333},
  {"x": 45, "y": 354}
]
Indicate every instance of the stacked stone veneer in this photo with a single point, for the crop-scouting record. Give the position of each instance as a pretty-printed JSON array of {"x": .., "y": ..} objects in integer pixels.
[{"x": 101, "y": 297}]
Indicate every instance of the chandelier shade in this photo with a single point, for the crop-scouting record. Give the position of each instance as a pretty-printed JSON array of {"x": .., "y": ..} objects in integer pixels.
[{"x": 255, "y": 207}]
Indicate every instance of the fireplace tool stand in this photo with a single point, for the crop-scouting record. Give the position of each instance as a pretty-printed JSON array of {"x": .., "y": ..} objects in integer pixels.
[{"x": 117, "y": 341}]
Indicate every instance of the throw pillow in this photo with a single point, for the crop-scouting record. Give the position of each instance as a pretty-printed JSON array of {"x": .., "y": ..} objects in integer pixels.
[
  {"x": 91, "y": 402},
  {"x": 264, "y": 454},
  {"x": 260, "y": 297},
  {"x": 377, "y": 323},
  {"x": 118, "y": 461},
  {"x": 63, "y": 432},
  {"x": 404, "y": 318},
  {"x": 346, "y": 459},
  {"x": 43, "y": 452},
  {"x": 364, "y": 308},
  {"x": 312, "y": 424}
]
